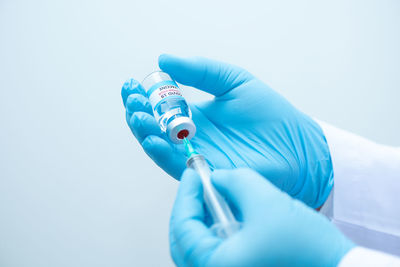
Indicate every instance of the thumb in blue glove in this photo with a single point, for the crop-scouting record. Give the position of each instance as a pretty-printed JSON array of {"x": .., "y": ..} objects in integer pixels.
[{"x": 276, "y": 229}]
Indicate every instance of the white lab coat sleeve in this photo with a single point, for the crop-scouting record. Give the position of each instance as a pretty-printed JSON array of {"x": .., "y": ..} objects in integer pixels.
[
  {"x": 365, "y": 201},
  {"x": 360, "y": 256}
]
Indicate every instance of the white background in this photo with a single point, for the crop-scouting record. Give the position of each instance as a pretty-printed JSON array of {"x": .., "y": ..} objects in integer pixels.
[{"x": 75, "y": 187}]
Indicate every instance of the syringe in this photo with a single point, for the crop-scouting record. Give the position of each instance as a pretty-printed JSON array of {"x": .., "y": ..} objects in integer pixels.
[{"x": 224, "y": 223}]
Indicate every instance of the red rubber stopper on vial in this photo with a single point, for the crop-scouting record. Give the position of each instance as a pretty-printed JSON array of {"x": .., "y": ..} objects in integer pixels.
[{"x": 182, "y": 134}]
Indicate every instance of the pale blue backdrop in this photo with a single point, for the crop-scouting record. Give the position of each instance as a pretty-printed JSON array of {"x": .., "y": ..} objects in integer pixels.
[{"x": 75, "y": 187}]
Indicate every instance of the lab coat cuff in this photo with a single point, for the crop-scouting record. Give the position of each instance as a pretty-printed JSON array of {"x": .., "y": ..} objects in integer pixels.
[{"x": 364, "y": 201}]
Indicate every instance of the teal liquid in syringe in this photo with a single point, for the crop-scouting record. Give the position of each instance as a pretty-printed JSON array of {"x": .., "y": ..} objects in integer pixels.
[{"x": 224, "y": 223}]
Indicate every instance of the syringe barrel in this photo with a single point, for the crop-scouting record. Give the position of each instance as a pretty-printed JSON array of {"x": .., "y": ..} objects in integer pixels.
[{"x": 224, "y": 223}]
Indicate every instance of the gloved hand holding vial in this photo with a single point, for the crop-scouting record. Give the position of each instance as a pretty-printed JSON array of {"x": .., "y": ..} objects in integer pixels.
[{"x": 247, "y": 124}]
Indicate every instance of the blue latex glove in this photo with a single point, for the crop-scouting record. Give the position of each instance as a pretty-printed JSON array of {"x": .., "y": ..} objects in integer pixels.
[
  {"x": 246, "y": 125},
  {"x": 276, "y": 229}
]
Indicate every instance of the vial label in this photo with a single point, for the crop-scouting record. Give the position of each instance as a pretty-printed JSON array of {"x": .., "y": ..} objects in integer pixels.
[{"x": 159, "y": 92}]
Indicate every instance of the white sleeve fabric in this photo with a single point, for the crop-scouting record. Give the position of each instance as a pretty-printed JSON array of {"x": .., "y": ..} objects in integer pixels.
[
  {"x": 365, "y": 201},
  {"x": 359, "y": 256}
]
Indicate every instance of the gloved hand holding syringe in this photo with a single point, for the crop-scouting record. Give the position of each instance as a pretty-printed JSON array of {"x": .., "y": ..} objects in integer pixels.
[
  {"x": 224, "y": 223},
  {"x": 174, "y": 117}
]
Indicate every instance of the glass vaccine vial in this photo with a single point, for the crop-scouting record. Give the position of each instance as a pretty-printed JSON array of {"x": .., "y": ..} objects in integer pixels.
[{"x": 170, "y": 109}]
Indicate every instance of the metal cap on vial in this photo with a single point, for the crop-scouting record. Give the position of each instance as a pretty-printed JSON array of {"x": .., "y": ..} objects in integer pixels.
[{"x": 180, "y": 128}]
